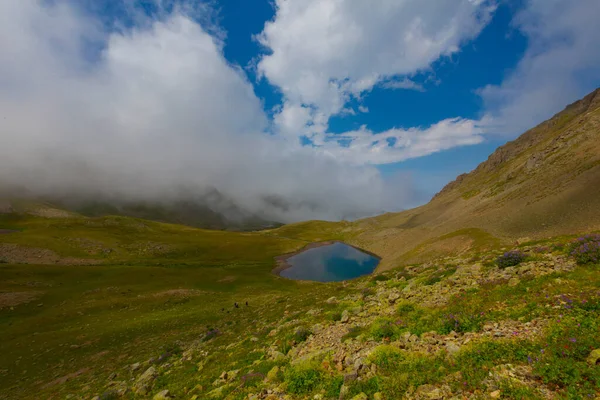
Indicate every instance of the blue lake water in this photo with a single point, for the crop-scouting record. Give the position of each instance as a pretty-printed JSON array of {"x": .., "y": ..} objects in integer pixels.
[{"x": 331, "y": 263}]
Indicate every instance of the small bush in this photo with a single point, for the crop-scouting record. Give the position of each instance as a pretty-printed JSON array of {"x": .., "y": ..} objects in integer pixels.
[
  {"x": 384, "y": 328},
  {"x": 387, "y": 357},
  {"x": 380, "y": 278},
  {"x": 302, "y": 334},
  {"x": 586, "y": 249},
  {"x": 404, "y": 308},
  {"x": 303, "y": 379},
  {"x": 335, "y": 315},
  {"x": 510, "y": 259}
]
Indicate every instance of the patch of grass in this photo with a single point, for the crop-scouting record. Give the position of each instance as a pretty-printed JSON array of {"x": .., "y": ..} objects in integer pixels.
[
  {"x": 384, "y": 328},
  {"x": 369, "y": 387},
  {"x": 303, "y": 379},
  {"x": 387, "y": 357},
  {"x": 562, "y": 360},
  {"x": 440, "y": 275}
]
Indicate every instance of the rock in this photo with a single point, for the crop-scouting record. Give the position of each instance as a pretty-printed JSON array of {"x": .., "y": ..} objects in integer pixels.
[
  {"x": 331, "y": 300},
  {"x": 393, "y": 297},
  {"x": 144, "y": 382},
  {"x": 272, "y": 375},
  {"x": 488, "y": 327},
  {"x": 344, "y": 392},
  {"x": 217, "y": 393},
  {"x": 513, "y": 281},
  {"x": 276, "y": 355},
  {"x": 594, "y": 357},
  {"x": 359, "y": 364},
  {"x": 163, "y": 395},
  {"x": 350, "y": 377},
  {"x": 378, "y": 396},
  {"x": 452, "y": 348},
  {"x": 431, "y": 392},
  {"x": 345, "y": 316},
  {"x": 135, "y": 367},
  {"x": 361, "y": 396},
  {"x": 495, "y": 394}
]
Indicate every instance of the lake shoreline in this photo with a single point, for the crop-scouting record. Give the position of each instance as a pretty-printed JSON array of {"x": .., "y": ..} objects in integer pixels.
[{"x": 282, "y": 264}]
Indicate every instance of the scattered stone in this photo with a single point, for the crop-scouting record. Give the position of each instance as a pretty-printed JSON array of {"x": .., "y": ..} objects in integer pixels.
[
  {"x": 331, "y": 300},
  {"x": 594, "y": 357},
  {"x": 345, "y": 316},
  {"x": 350, "y": 377},
  {"x": 344, "y": 390},
  {"x": 452, "y": 348},
  {"x": 273, "y": 373},
  {"x": 495, "y": 394},
  {"x": 360, "y": 396},
  {"x": 163, "y": 395},
  {"x": 144, "y": 382},
  {"x": 513, "y": 281}
]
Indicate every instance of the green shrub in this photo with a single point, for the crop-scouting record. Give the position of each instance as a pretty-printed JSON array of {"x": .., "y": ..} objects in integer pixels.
[
  {"x": 380, "y": 278},
  {"x": 384, "y": 328},
  {"x": 368, "y": 387},
  {"x": 301, "y": 334},
  {"x": 335, "y": 315},
  {"x": 387, "y": 357},
  {"x": 303, "y": 379}
]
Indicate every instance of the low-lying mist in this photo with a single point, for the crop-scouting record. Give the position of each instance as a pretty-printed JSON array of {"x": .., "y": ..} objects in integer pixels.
[{"x": 155, "y": 113}]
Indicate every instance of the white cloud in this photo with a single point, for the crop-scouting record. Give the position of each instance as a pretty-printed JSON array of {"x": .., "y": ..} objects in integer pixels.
[
  {"x": 561, "y": 64},
  {"x": 323, "y": 52},
  {"x": 365, "y": 147},
  {"x": 156, "y": 109},
  {"x": 403, "y": 84}
]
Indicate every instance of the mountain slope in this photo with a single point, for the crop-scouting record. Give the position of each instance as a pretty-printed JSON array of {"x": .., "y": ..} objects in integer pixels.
[{"x": 545, "y": 183}]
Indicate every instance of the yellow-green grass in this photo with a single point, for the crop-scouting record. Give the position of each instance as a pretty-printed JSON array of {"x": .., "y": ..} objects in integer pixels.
[{"x": 155, "y": 283}]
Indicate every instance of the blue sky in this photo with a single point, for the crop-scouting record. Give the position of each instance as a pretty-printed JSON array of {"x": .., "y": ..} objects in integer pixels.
[{"x": 339, "y": 107}]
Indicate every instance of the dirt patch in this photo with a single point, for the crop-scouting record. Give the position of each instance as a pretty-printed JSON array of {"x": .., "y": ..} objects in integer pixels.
[
  {"x": 227, "y": 279},
  {"x": 7, "y": 231},
  {"x": 51, "y": 213},
  {"x": 64, "y": 379},
  {"x": 15, "y": 254},
  {"x": 12, "y": 299},
  {"x": 179, "y": 293}
]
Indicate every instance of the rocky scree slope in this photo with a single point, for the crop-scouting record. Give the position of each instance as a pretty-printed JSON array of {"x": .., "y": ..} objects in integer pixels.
[{"x": 453, "y": 328}]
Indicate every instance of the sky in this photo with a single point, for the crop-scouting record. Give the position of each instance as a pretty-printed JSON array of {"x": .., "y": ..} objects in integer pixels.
[{"x": 334, "y": 108}]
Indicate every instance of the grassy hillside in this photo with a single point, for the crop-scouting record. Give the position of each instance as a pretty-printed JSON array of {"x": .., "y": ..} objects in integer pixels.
[
  {"x": 92, "y": 294},
  {"x": 545, "y": 183}
]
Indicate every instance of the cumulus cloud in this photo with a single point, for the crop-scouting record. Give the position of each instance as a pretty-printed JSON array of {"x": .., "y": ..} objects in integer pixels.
[
  {"x": 323, "y": 53},
  {"x": 150, "y": 111},
  {"x": 561, "y": 64}
]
